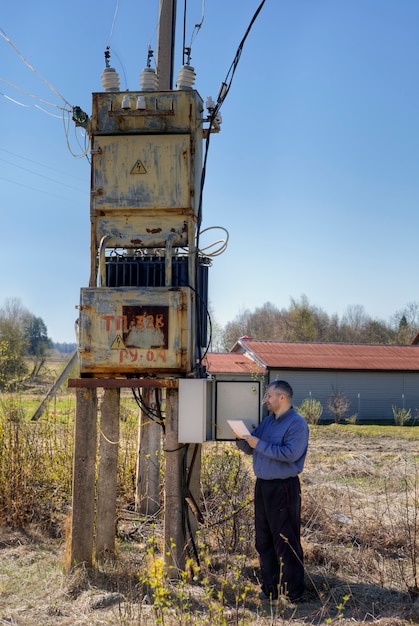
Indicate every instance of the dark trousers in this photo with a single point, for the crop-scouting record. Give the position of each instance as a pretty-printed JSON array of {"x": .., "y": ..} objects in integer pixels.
[{"x": 277, "y": 525}]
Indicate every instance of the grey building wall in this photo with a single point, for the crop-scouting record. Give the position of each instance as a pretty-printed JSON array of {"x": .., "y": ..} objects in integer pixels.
[{"x": 371, "y": 394}]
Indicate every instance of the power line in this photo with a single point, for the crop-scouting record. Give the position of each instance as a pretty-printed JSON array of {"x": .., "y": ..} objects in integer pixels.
[
  {"x": 186, "y": 51},
  {"x": 225, "y": 88},
  {"x": 42, "y": 176},
  {"x": 19, "y": 184},
  {"x": 19, "y": 156},
  {"x": 113, "y": 22},
  {"x": 49, "y": 85},
  {"x": 31, "y": 95},
  {"x": 198, "y": 26},
  {"x": 26, "y": 62},
  {"x": 66, "y": 131},
  {"x": 30, "y": 106}
]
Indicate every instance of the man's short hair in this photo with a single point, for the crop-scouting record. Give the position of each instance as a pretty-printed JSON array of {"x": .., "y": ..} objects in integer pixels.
[{"x": 283, "y": 387}]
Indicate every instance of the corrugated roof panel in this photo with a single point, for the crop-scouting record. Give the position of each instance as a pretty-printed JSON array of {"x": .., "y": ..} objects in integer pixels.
[
  {"x": 231, "y": 363},
  {"x": 331, "y": 355}
]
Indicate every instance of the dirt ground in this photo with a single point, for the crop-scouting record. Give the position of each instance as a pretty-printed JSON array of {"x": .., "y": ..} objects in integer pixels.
[{"x": 34, "y": 588}]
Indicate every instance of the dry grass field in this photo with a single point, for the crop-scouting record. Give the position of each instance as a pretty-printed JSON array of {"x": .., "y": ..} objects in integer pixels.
[{"x": 360, "y": 533}]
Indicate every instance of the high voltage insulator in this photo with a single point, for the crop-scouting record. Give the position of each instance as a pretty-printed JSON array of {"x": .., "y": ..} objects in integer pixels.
[
  {"x": 186, "y": 77},
  {"x": 148, "y": 79},
  {"x": 110, "y": 79}
]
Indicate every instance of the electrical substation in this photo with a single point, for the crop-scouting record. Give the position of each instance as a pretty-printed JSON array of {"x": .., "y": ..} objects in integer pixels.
[
  {"x": 143, "y": 319},
  {"x": 140, "y": 314}
]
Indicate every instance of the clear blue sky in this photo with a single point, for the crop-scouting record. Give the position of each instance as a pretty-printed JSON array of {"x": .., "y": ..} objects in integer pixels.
[{"x": 315, "y": 173}]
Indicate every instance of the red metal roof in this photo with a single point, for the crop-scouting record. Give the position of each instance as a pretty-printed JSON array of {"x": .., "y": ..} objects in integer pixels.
[
  {"x": 230, "y": 363},
  {"x": 337, "y": 356}
]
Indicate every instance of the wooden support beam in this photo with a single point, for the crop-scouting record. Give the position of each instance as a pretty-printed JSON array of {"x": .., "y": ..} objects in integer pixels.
[
  {"x": 193, "y": 494},
  {"x": 107, "y": 474},
  {"x": 56, "y": 385},
  {"x": 84, "y": 463},
  {"x": 129, "y": 383},
  {"x": 174, "y": 539},
  {"x": 147, "y": 494},
  {"x": 165, "y": 43}
]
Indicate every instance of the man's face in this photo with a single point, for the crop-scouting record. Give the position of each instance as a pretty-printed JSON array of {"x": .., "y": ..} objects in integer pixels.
[{"x": 273, "y": 399}]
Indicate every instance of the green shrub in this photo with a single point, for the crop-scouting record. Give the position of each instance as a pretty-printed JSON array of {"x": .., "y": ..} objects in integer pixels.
[
  {"x": 35, "y": 466},
  {"x": 402, "y": 417},
  {"x": 311, "y": 410},
  {"x": 227, "y": 490}
]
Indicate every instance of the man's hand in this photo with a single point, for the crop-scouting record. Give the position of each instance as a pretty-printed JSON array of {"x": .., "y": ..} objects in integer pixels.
[{"x": 252, "y": 441}]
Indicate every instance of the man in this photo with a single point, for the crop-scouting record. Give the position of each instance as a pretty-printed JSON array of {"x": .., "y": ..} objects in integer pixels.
[{"x": 279, "y": 447}]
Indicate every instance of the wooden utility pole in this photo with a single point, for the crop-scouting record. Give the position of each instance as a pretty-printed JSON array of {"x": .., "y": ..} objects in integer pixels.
[
  {"x": 166, "y": 44},
  {"x": 147, "y": 493},
  {"x": 107, "y": 473},
  {"x": 174, "y": 540},
  {"x": 84, "y": 468}
]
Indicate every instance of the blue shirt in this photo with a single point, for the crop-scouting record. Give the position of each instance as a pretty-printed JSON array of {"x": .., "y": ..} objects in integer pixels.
[{"x": 282, "y": 446}]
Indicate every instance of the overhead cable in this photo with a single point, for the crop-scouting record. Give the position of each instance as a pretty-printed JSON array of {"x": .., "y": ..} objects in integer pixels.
[
  {"x": 20, "y": 156},
  {"x": 27, "y": 106},
  {"x": 186, "y": 51},
  {"x": 30, "y": 106},
  {"x": 113, "y": 22},
  {"x": 225, "y": 88},
  {"x": 51, "y": 104},
  {"x": 19, "y": 184},
  {"x": 198, "y": 26},
  {"x": 25, "y": 169},
  {"x": 26, "y": 62},
  {"x": 85, "y": 151}
]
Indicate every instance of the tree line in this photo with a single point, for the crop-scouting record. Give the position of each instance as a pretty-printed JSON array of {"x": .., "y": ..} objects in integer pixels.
[
  {"x": 24, "y": 343},
  {"x": 303, "y": 321}
]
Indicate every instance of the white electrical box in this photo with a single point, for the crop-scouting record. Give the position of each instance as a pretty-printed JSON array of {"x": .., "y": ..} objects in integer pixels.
[
  {"x": 206, "y": 405},
  {"x": 236, "y": 400},
  {"x": 195, "y": 410}
]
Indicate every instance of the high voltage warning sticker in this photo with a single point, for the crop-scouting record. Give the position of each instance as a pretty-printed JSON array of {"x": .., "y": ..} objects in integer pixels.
[
  {"x": 139, "y": 168},
  {"x": 118, "y": 343}
]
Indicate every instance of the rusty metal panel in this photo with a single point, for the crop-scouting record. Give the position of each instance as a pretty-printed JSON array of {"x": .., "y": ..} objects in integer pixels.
[
  {"x": 141, "y": 229},
  {"x": 142, "y": 189},
  {"x": 166, "y": 112},
  {"x": 146, "y": 168},
  {"x": 142, "y": 172},
  {"x": 135, "y": 330}
]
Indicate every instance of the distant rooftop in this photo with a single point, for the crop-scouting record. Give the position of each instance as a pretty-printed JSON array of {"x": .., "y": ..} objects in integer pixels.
[
  {"x": 333, "y": 356},
  {"x": 230, "y": 363}
]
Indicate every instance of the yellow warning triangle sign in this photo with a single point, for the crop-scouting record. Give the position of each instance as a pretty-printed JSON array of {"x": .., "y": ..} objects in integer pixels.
[
  {"x": 118, "y": 343},
  {"x": 139, "y": 168}
]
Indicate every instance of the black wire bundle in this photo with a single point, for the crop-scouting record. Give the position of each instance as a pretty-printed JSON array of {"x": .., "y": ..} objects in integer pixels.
[{"x": 155, "y": 415}]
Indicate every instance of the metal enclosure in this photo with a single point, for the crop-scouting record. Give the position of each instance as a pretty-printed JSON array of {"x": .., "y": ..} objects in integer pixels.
[
  {"x": 139, "y": 314},
  {"x": 195, "y": 410},
  {"x": 129, "y": 330},
  {"x": 240, "y": 400},
  {"x": 206, "y": 405},
  {"x": 146, "y": 168}
]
